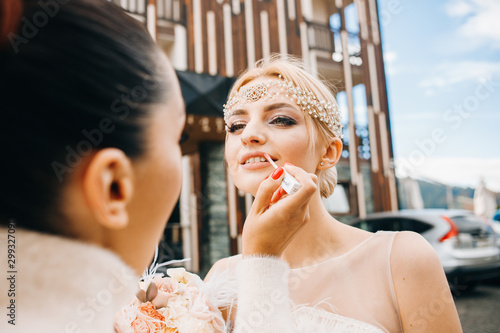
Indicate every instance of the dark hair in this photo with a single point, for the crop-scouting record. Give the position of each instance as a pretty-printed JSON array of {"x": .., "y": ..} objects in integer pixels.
[{"x": 75, "y": 76}]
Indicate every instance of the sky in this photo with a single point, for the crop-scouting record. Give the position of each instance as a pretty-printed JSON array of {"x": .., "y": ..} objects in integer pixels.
[{"x": 442, "y": 62}]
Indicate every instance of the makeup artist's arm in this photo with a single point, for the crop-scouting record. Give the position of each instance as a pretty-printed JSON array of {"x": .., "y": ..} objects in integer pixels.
[{"x": 263, "y": 295}]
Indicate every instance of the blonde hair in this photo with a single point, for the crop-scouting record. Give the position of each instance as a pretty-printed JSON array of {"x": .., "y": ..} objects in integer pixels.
[{"x": 293, "y": 70}]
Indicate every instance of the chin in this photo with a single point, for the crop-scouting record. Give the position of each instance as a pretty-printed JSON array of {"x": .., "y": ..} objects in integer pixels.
[{"x": 248, "y": 186}]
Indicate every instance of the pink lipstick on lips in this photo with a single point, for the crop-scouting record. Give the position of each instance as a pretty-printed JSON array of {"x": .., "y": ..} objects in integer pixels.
[{"x": 289, "y": 183}]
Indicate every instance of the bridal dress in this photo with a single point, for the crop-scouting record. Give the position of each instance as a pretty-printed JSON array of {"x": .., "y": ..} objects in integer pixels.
[{"x": 352, "y": 293}]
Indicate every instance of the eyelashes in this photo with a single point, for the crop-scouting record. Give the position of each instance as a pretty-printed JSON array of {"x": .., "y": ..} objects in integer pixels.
[
  {"x": 280, "y": 121},
  {"x": 283, "y": 121},
  {"x": 235, "y": 127}
]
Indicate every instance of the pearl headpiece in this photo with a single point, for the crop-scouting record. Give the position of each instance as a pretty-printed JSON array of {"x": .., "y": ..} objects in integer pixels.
[{"x": 326, "y": 112}]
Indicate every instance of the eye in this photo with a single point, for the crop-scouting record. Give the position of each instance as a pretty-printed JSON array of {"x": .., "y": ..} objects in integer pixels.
[
  {"x": 236, "y": 127},
  {"x": 283, "y": 121}
]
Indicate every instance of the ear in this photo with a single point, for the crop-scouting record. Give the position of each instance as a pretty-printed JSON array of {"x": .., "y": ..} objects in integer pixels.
[
  {"x": 108, "y": 187},
  {"x": 332, "y": 154}
]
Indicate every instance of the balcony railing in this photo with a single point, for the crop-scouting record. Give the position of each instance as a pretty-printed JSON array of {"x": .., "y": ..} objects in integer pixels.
[
  {"x": 166, "y": 10},
  {"x": 171, "y": 11},
  {"x": 320, "y": 37},
  {"x": 134, "y": 7}
]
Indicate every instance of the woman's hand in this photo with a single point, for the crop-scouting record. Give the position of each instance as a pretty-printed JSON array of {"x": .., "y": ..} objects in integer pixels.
[{"x": 271, "y": 226}]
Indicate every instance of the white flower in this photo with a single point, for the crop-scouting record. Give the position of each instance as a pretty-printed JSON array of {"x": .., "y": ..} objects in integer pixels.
[
  {"x": 190, "y": 324},
  {"x": 177, "y": 307},
  {"x": 180, "y": 275}
]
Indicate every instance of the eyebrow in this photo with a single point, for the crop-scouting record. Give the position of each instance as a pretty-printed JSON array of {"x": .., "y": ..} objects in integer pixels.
[{"x": 267, "y": 108}]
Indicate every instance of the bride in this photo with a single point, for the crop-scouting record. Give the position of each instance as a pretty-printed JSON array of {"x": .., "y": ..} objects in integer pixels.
[{"x": 323, "y": 276}]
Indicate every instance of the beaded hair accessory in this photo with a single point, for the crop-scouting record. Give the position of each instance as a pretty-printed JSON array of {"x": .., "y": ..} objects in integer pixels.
[{"x": 326, "y": 112}]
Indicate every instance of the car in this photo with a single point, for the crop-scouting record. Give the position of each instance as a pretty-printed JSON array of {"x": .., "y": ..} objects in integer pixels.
[
  {"x": 496, "y": 216},
  {"x": 465, "y": 244},
  {"x": 495, "y": 224}
]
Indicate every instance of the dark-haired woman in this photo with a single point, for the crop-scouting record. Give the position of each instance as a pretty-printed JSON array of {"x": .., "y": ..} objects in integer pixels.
[
  {"x": 91, "y": 116},
  {"x": 90, "y": 120}
]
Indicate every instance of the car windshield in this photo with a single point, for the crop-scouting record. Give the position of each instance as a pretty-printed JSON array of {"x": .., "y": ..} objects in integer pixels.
[{"x": 471, "y": 224}]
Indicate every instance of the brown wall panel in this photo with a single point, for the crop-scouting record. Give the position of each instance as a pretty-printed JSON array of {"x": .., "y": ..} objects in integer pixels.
[
  {"x": 293, "y": 29},
  {"x": 257, "y": 7},
  {"x": 273, "y": 28},
  {"x": 239, "y": 42},
  {"x": 190, "y": 34},
  {"x": 204, "y": 32},
  {"x": 219, "y": 31}
]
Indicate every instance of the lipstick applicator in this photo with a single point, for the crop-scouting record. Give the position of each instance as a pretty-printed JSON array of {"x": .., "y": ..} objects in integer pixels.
[{"x": 289, "y": 183}]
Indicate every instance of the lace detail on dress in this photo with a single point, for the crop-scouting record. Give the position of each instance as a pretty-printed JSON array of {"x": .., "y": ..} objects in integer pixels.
[{"x": 308, "y": 319}]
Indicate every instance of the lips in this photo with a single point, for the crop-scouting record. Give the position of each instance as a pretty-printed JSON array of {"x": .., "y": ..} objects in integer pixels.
[{"x": 255, "y": 160}]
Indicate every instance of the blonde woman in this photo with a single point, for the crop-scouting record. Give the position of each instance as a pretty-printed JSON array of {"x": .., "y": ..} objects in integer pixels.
[{"x": 301, "y": 270}]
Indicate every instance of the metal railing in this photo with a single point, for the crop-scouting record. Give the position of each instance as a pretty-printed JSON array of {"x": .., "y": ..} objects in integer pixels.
[
  {"x": 137, "y": 7},
  {"x": 320, "y": 37},
  {"x": 166, "y": 10},
  {"x": 171, "y": 11}
]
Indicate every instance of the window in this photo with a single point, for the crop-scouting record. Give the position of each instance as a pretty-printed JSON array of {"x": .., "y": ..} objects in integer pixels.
[
  {"x": 471, "y": 224},
  {"x": 338, "y": 202},
  {"x": 393, "y": 224}
]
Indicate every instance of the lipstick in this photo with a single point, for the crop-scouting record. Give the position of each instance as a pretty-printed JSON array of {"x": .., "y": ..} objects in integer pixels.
[{"x": 289, "y": 183}]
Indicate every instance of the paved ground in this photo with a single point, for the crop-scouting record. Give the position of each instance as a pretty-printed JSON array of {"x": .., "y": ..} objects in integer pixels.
[{"x": 479, "y": 310}]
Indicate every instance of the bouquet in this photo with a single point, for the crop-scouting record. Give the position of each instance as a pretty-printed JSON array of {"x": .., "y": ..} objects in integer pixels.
[{"x": 173, "y": 304}]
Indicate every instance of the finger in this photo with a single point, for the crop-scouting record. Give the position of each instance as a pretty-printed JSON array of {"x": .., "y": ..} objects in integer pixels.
[
  {"x": 303, "y": 177},
  {"x": 265, "y": 192},
  {"x": 308, "y": 187},
  {"x": 277, "y": 195}
]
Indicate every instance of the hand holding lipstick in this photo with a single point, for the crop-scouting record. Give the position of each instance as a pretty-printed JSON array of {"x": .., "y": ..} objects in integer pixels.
[
  {"x": 269, "y": 228},
  {"x": 288, "y": 184}
]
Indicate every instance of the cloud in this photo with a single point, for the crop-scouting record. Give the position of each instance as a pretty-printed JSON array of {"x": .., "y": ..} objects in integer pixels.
[
  {"x": 418, "y": 116},
  {"x": 481, "y": 23},
  {"x": 459, "y": 171},
  {"x": 458, "y": 8},
  {"x": 390, "y": 58},
  {"x": 451, "y": 73}
]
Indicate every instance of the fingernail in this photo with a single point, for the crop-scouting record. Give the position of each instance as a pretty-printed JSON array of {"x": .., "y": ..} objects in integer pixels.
[
  {"x": 281, "y": 191},
  {"x": 277, "y": 196},
  {"x": 289, "y": 164},
  {"x": 277, "y": 173}
]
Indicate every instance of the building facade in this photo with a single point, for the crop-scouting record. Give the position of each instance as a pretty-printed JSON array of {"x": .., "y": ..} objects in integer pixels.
[{"x": 210, "y": 42}]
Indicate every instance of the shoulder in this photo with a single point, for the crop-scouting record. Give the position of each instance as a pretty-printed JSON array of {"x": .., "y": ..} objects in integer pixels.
[
  {"x": 422, "y": 292},
  {"x": 413, "y": 262},
  {"x": 410, "y": 248},
  {"x": 224, "y": 265}
]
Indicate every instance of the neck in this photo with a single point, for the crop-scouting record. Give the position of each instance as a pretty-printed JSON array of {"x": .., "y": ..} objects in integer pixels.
[{"x": 318, "y": 238}]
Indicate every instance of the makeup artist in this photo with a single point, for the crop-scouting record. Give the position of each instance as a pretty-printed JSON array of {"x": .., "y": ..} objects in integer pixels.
[{"x": 91, "y": 118}]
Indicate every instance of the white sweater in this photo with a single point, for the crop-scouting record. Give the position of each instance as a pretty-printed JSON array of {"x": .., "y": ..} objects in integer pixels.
[
  {"x": 263, "y": 296},
  {"x": 62, "y": 285}
]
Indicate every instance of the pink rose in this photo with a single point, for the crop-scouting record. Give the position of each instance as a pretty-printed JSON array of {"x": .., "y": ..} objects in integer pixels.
[
  {"x": 142, "y": 326},
  {"x": 203, "y": 310},
  {"x": 167, "y": 288},
  {"x": 147, "y": 312}
]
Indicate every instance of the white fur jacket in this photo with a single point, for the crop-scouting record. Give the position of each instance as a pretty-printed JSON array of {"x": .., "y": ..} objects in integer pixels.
[{"x": 58, "y": 285}]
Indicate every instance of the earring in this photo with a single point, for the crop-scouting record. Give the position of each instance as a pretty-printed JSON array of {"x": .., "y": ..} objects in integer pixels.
[{"x": 322, "y": 163}]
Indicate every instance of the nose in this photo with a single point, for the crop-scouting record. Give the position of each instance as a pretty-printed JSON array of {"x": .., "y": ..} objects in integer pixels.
[{"x": 253, "y": 134}]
